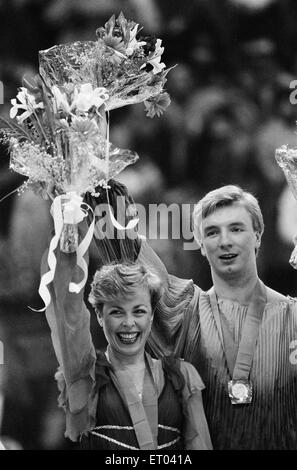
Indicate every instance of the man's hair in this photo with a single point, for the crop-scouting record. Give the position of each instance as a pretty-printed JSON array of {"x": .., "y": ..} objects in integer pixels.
[
  {"x": 222, "y": 197},
  {"x": 119, "y": 280}
]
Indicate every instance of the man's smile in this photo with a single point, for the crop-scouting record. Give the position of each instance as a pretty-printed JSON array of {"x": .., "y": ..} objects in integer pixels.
[{"x": 228, "y": 256}]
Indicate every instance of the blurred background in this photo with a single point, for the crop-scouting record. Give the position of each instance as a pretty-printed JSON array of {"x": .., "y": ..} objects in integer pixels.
[{"x": 230, "y": 110}]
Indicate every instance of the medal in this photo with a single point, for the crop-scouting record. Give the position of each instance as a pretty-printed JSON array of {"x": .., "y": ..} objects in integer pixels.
[
  {"x": 240, "y": 391},
  {"x": 239, "y": 358}
]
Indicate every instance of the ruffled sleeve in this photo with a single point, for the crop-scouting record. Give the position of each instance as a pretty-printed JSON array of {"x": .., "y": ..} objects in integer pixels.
[
  {"x": 196, "y": 432},
  {"x": 69, "y": 321},
  {"x": 81, "y": 421},
  {"x": 175, "y": 308}
]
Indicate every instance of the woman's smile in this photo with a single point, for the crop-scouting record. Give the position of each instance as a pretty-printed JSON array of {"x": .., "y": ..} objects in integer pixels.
[{"x": 128, "y": 338}]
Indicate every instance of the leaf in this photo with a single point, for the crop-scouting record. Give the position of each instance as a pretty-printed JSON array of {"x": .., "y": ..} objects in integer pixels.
[{"x": 16, "y": 129}]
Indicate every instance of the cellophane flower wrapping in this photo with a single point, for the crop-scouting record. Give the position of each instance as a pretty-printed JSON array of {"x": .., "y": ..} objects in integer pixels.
[
  {"x": 286, "y": 157},
  {"x": 128, "y": 65},
  {"x": 62, "y": 145},
  {"x": 58, "y": 132}
]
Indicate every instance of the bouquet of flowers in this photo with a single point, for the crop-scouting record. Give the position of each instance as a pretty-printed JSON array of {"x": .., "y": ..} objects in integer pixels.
[
  {"x": 59, "y": 140},
  {"x": 128, "y": 67},
  {"x": 58, "y": 134},
  {"x": 286, "y": 157}
]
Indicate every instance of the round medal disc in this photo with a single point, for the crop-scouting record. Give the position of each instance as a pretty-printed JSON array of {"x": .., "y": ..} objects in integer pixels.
[{"x": 239, "y": 391}]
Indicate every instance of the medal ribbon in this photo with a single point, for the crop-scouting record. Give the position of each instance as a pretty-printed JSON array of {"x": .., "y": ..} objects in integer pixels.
[
  {"x": 240, "y": 365},
  {"x": 143, "y": 412}
]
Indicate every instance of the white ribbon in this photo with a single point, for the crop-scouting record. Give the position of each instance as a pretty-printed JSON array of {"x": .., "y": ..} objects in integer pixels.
[
  {"x": 73, "y": 214},
  {"x": 132, "y": 223},
  {"x": 72, "y": 210},
  {"x": 80, "y": 251}
]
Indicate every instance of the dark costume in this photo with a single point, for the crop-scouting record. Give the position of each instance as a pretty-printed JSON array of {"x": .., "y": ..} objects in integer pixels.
[{"x": 114, "y": 428}]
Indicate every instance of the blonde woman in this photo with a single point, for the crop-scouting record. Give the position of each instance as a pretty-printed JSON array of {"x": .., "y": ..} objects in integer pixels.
[{"x": 122, "y": 398}]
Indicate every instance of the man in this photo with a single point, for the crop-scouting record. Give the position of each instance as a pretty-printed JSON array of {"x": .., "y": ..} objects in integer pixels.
[{"x": 240, "y": 335}]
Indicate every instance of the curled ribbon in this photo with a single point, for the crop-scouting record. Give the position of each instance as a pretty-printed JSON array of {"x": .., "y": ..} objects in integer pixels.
[
  {"x": 132, "y": 223},
  {"x": 73, "y": 214},
  {"x": 80, "y": 251}
]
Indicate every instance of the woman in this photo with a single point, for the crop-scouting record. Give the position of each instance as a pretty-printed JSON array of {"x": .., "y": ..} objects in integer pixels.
[{"x": 133, "y": 401}]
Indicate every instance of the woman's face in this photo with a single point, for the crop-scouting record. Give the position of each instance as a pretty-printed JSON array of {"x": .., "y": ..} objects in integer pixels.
[{"x": 127, "y": 321}]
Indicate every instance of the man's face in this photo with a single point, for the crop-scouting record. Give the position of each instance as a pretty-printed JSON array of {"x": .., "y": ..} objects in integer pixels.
[{"x": 229, "y": 241}]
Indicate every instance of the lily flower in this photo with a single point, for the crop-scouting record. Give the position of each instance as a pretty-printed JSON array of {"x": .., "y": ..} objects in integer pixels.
[
  {"x": 133, "y": 43},
  {"x": 60, "y": 100},
  {"x": 87, "y": 97},
  {"x": 155, "y": 58},
  {"x": 26, "y": 102}
]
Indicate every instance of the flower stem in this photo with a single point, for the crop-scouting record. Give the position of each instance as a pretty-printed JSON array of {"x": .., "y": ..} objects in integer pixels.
[{"x": 42, "y": 131}]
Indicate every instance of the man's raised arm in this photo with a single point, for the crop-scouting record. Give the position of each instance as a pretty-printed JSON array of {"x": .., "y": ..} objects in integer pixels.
[{"x": 174, "y": 310}]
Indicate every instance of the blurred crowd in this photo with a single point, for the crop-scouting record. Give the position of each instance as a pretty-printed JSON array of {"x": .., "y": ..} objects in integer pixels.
[{"x": 230, "y": 109}]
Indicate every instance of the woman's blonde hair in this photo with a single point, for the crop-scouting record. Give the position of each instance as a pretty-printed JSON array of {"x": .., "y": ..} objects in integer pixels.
[{"x": 123, "y": 279}]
